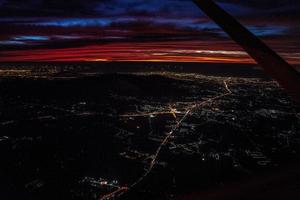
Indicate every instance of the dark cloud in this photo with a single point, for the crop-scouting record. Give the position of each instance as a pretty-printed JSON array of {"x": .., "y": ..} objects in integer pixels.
[
  {"x": 10, "y": 8},
  {"x": 264, "y": 4},
  {"x": 47, "y": 7},
  {"x": 33, "y": 24},
  {"x": 277, "y": 9},
  {"x": 168, "y": 8}
]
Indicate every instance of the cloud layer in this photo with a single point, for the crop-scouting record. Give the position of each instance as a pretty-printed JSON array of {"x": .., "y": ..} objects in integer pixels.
[{"x": 32, "y": 26}]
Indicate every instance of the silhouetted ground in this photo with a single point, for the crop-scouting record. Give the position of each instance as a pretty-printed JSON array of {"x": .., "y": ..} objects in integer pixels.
[{"x": 74, "y": 135}]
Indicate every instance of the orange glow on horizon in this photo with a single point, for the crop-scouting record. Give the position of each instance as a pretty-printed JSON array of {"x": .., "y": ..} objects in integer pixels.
[{"x": 172, "y": 51}]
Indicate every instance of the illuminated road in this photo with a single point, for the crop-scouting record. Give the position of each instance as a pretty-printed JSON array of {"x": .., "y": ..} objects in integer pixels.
[
  {"x": 189, "y": 111},
  {"x": 172, "y": 111}
]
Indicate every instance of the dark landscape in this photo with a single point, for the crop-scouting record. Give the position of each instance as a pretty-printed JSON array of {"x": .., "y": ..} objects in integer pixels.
[{"x": 75, "y": 131}]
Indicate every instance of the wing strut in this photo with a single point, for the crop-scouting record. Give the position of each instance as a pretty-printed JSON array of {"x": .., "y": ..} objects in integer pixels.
[{"x": 275, "y": 66}]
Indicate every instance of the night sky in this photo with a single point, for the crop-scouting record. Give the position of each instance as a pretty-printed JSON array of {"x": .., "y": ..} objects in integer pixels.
[{"x": 140, "y": 30}]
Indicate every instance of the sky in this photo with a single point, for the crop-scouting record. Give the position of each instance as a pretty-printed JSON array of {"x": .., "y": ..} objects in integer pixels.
[{"x": 141, "y": 30}]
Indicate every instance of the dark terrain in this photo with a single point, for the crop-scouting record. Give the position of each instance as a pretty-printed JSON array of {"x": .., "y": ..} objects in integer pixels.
[{"x": 87, "y": 135}]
